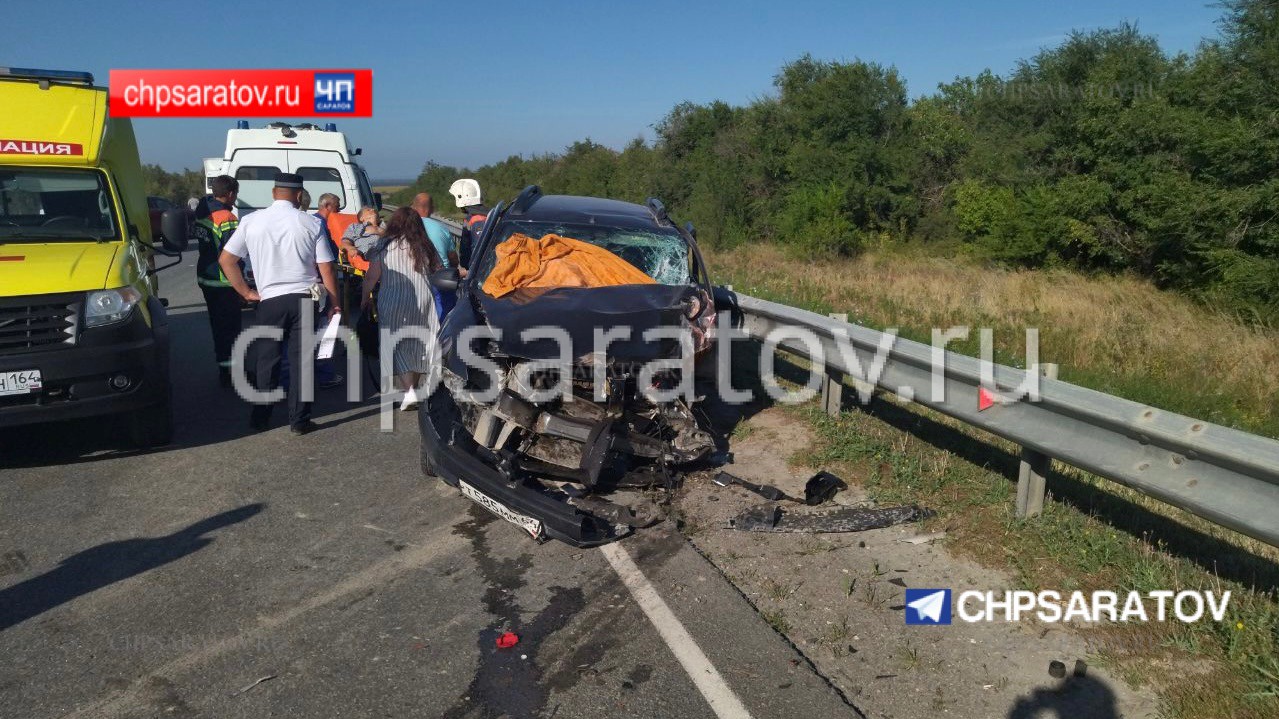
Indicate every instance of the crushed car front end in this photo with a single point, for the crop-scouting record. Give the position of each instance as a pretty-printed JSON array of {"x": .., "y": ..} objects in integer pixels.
[{"x": 556, "y": 401}]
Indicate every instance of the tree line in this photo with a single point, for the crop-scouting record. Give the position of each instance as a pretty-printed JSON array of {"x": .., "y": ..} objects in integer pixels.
[
  {"x": 1105, "y": 153},
  {"x": 177, "y": 187}
]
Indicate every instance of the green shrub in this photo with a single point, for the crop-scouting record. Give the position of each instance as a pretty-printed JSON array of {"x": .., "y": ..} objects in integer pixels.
[{"x": 816, "y": 222}]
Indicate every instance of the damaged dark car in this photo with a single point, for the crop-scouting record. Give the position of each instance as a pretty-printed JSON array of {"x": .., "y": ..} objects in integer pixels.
[{"x": 567, "y": 365}]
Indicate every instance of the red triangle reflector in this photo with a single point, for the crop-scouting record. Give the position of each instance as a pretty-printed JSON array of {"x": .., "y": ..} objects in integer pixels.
[{"x": 984, "y": 399}]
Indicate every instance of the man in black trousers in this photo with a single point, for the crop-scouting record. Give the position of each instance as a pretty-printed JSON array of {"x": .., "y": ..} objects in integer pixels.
[
  {"x": 215, "y": 223},
  {"x": 291, "y": 255}
]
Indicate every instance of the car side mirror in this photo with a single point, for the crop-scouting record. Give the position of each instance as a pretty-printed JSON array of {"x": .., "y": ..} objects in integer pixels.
[
  {"x": 377, "y": 201},
  {"x": 692, "y": 231},
  {"x": 446, "y": 280},
  {"x": 173, "y": 230}
]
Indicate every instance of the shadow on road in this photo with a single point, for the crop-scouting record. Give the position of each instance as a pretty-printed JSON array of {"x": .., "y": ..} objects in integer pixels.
[
  {"x": 204, "y": 413},
  {"x": 1076, "y": 697},
  {"x": 722, "y": 418},
  {"x": 105, "y": 564}
]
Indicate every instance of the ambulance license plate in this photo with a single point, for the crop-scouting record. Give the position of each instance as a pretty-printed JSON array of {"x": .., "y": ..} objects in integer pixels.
[
  {"x": 523, "y": 521},
  {"x": 20, "y": 382}
]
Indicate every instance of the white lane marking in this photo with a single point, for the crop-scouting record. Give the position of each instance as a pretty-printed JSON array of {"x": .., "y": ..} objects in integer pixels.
[{"x": 714, "y": 689}]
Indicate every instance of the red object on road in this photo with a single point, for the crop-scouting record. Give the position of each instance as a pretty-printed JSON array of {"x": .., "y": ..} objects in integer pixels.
[{"x": 507, "y": 640}]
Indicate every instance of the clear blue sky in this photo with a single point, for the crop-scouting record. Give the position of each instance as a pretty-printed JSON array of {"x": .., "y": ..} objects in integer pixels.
[{"x": 467, "y": 88}]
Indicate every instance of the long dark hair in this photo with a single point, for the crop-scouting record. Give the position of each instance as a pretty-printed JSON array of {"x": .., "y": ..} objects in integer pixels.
[{"x": 405, "y": 224}]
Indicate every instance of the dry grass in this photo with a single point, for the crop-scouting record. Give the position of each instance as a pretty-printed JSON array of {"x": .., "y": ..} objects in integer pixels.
[
  {"x": 1093, "y": 535},
  {"x": 1119, "y": 335},
  {"x": 1116, "y": 334}
]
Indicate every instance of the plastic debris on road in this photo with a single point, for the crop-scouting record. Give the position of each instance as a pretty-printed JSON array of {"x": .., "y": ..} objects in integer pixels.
[
  {"x": 772, "y": 518},
  {"x": 822, "y": 487}
]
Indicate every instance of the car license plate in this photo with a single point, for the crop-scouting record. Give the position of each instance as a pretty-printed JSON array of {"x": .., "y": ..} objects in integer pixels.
[
  {"x": 20, "y": 382},
  {"x": 525, "y": 522}
]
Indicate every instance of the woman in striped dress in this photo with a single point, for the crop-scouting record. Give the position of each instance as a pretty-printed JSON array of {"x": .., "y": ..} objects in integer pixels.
[{"x": 403, "y": 263}]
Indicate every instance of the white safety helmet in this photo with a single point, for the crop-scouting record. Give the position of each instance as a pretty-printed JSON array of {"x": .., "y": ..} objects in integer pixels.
[{"x": 465, "y": 192}]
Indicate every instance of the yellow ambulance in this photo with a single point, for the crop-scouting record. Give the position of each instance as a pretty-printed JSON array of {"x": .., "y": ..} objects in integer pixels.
[{"x": 82, "y": 332}]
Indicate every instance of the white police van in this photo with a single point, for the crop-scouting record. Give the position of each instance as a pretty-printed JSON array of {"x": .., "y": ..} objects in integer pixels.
[{"x": 321, "y": 155}]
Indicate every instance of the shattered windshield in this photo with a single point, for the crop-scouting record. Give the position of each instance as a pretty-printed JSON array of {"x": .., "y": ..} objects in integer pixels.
[
  {"x": 662, "y": 255},
  {"x": 55, "y": 204}
]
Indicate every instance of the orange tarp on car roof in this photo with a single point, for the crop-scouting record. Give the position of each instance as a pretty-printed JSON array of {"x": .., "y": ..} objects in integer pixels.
[{"x": 556, "y": 261}]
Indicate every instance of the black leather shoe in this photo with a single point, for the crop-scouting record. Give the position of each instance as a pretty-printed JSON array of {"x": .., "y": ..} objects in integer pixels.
[{"x": 303, "y": 427}]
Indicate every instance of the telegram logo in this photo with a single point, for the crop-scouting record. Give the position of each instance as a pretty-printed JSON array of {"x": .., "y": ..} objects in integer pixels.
[{"x": 928, "y": 606}]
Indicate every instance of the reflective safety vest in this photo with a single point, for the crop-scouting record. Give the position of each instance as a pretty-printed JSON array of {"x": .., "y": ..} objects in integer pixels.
[
  {"x": 471, "y": 230},
  {"x": 214, "y": 225}
]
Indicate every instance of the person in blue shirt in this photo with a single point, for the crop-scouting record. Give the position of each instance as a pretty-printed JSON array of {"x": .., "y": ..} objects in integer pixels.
[
  {"x": 436, "y": 231},
  {"x": 441, "y": 238}
]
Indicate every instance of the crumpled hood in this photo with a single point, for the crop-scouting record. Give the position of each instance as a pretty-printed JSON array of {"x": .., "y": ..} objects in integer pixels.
[
  {"x": 44, "y": 268},
  {"x": 579, "y": 311}
]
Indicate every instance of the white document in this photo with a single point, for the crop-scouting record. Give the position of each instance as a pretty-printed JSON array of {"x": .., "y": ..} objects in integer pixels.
[{"x": 329, "y": 338}]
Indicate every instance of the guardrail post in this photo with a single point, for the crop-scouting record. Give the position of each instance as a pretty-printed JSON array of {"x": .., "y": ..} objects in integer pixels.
[
  {"x": 833, "y": 387},
  {"x": 1222, "y": 475},
  {"x": 1032, "y": 482}
]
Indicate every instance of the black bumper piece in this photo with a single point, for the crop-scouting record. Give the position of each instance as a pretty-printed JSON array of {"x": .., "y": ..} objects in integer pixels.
[
  {"x": 449, "y": 450},
  {"x": 77, "y": 379}
]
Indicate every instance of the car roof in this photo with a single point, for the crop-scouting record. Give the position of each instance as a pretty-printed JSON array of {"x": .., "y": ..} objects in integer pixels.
[{"x": 588, "y": 210}]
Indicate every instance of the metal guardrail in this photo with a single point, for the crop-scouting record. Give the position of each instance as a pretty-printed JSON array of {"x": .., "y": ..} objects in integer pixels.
[
  {"x": 1220, "y": 474},
  {"x": 1214, "y": 472}
]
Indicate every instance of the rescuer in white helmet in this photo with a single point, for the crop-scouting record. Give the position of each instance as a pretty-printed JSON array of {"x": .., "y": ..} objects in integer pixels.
[{"x": 466, "y": 193}]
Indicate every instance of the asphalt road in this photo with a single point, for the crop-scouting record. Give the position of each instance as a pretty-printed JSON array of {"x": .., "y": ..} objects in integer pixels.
[{"x": 241, "y": 575}]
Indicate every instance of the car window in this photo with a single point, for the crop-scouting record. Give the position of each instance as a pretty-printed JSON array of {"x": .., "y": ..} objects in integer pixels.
[
  {"x": 159, "y": 203},
  {"x": 319, "y": 180},
  {"x": 256, "y": 183},
  {"x": 55, "y": 204},
  {"x": 662, "y": 255}
]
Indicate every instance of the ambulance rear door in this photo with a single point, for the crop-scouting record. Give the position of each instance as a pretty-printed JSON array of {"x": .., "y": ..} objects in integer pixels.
[
  {"x": 324, "y": 171},
  {"x": 255, "y": 169}
]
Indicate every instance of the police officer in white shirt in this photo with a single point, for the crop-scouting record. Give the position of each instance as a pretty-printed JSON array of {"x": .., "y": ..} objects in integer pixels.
[{"x": 290, "y": 254}]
